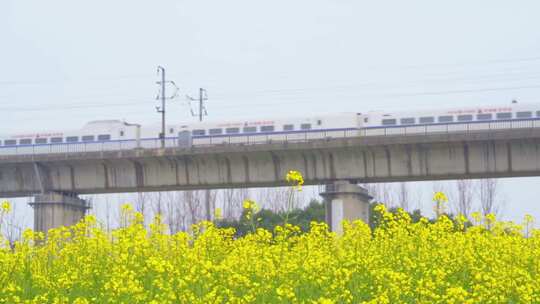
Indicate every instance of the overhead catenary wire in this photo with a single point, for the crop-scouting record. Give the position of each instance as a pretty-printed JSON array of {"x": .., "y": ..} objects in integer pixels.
[
  {"x": 491, "y": 77},
  {"x": 500, "y": 81},
  {"x": 146, "y": 77},
  {"x": 230, "y": 104}
]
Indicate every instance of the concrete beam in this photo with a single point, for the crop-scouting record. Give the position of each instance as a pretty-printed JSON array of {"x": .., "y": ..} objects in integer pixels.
[{"x": 363, "y": 160}]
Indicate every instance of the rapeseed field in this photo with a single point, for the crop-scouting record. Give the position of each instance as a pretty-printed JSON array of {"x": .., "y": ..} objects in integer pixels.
[{"x": 445, "y": 261}]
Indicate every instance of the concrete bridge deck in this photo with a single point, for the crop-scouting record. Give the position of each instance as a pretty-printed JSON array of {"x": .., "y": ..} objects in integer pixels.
[{"x": 481, "y": 154}]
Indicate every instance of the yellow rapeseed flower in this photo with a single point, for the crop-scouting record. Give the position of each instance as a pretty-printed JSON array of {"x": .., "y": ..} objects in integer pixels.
[
  {"x": 440, "y": 197},
  {"x": 250, "y": 205},
  {"x": 6, "y": 206},
  {"x": 295, "y": 178},
  {"x": 400, "y": 261},
  {"x": 126, "y": 208},
  {"x": 218, "y": 214}
]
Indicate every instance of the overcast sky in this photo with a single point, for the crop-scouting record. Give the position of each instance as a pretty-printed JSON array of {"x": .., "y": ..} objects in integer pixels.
[{"x": 63, "y": 63}]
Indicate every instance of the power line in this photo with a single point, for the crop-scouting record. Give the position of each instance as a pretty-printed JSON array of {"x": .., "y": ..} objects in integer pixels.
[
  {"x": 252, "y": 104},
  {"x": 144, "y": 77},
  {"x": 503, "y": 76},
  {"x": 372, "y": 85},
  {"x": 64, "y": 80},
  {"x": 77, "y": 106}
]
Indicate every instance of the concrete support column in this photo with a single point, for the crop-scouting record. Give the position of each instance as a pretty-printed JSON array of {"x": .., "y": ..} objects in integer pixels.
[
  {"x": 53, "y": 210},
  {"x": 345, "y": 201}
]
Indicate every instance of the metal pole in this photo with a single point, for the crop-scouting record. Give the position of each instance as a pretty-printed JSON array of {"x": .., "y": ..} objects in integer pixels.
[
  {"x": 207, "y": 191},
  {"x": 207, "y": 205},
  {"x": 200, "y": 103},
  {"x": 162, "y": 108}
]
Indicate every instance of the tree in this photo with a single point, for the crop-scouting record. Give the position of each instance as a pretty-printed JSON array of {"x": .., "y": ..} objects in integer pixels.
[
  {"x": 231, "y": 200},
  {"x": 489, "y": 196},
  {"x": 141, "y": 201},
  {"x": 13, "y": 223},
  {"x": 381, "y": 192},
  {"x": 156, "y": 203},
  {"x": 192, "y": 200},
  {"x": 268, "y": 219},
  {"x": 108, "y": 212},
  {"x": 403, "y": 196},
  {"x": 174, "y": 215},
  {"x": 465, "y": 195},
  {"x": 274, "y": 199}
]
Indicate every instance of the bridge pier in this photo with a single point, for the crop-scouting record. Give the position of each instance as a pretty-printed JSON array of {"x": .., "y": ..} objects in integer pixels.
[
  {"x": 54, "y": 209},
  {"x": 345, "y": 201}
]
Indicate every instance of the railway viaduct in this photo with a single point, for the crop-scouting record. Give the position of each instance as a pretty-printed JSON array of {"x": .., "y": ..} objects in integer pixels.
[{"x": 56, "y": 180}]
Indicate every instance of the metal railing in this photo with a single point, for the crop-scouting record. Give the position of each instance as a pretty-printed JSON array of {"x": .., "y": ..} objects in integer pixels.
[
  {"x": 155, "y": 143},
  {"x": 471, "y": 127},
  {"x": 257, "y": 139}
]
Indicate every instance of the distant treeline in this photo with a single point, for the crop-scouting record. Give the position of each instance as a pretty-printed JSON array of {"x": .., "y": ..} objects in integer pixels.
[{"x": 302, "y": 218}]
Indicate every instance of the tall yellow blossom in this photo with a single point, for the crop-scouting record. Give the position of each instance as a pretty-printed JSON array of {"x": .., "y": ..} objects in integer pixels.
[
  {"x": 295, "y": 178},
  {"x": 218, "y": 214},
  {"x": 251, "y": 205},
  {"x": 440, "y": 199},
  {"x": 6, "y": 207}
]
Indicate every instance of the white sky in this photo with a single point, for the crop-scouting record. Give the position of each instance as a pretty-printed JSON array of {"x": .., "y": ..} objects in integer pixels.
[{"x": 63, "y": 63}]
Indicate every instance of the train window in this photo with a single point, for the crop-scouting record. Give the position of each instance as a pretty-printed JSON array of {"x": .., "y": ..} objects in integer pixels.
[
  {"x": 232, "y": 130},
  {"x": 388, "y": 122},
  {"x": 288, "y": 127},
  {"x": 407, "y": 121},
  {"x": 103, "y": 137},
  {"x": 319, "y": 122},
  {"x": 484, "y": 116},
  {"x": 171, "y": 130},
  {"x": 366, "y": 119},
  {"x": 10, "y": 142},
  {"x": 505, "y": 115},
  {"x": 446, "y": 118},
  {"x": 523, "y": 114},
  {"x": 537, "y": 113},
  {"x": 41, "y": 140},
  {"x": 267, "y": 129},
  {"x": 55, "y": 140},
  {"x": 72, "y": 139},
  {"x": 88, "y": 138},
  {"x": 26, "y": 141},
  {"x": 249, "y": 129},
  {"x": 122, "y": 133},
  {"x": 215, "y": 131},
  {"x": 428, "y": 119},
  {"x": 0, "y": 142},
  {"x": 464, "y": 117},
  {"x": 305, "y": 126},
  {"x": 198, "y": 132}
]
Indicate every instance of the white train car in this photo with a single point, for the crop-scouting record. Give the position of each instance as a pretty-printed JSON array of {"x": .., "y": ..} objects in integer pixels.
[
  {"x": 94, "y": 136},
  {"x": 264, "y": 130},
  {"x": 107, "y": 135},
  {"x": 451, "y": 120}
]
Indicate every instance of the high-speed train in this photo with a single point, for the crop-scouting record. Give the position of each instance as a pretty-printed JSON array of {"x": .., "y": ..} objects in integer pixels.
[{"x": 114, "y": 134}]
